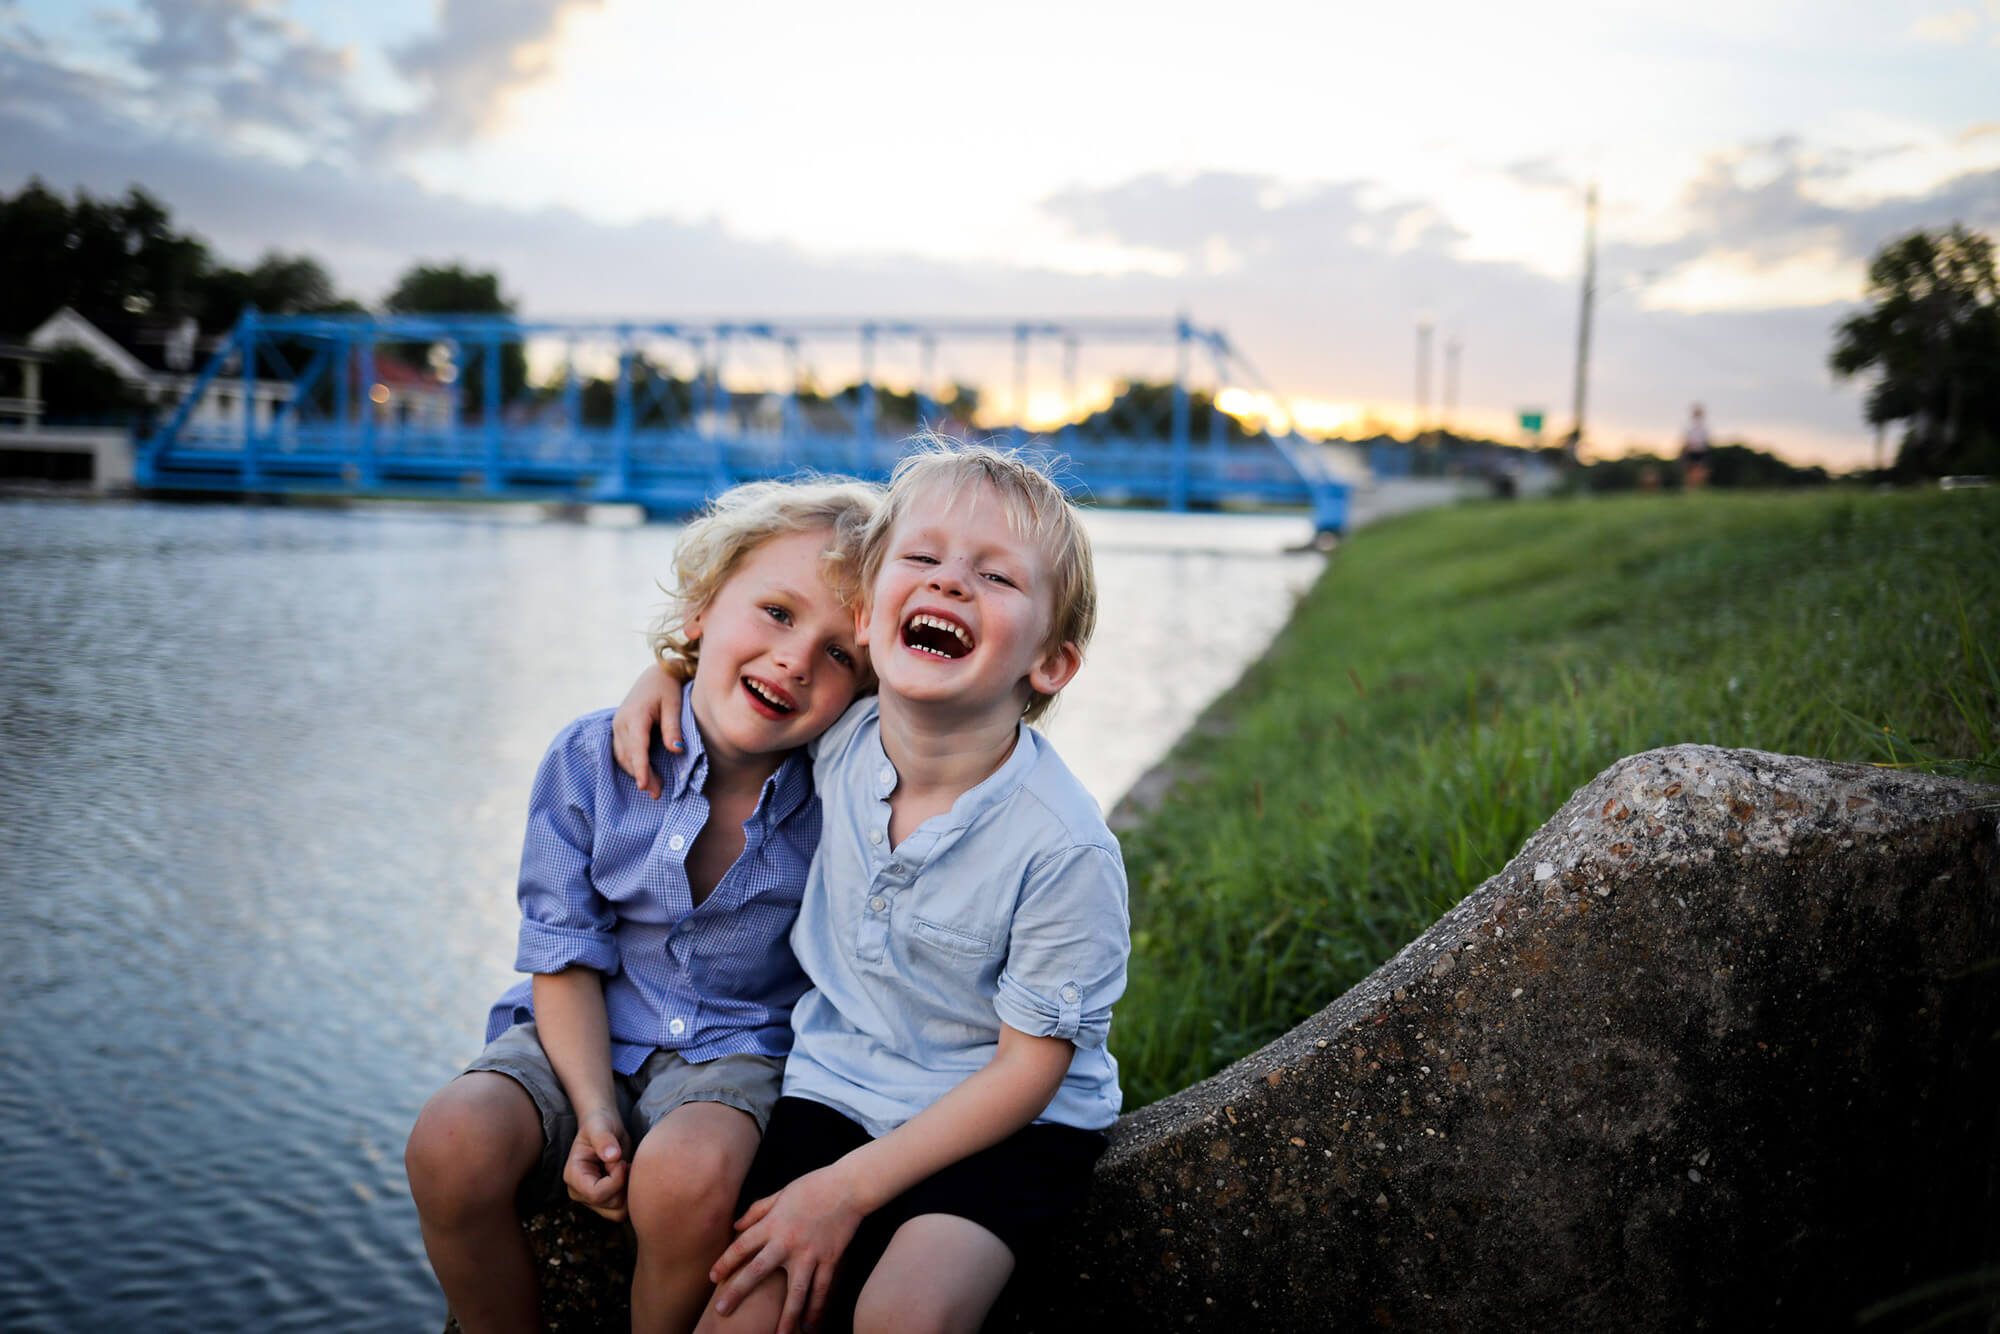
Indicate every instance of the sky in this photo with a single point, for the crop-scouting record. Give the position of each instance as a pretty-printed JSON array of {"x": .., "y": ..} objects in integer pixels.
[{"x": 1317, "y": 179}]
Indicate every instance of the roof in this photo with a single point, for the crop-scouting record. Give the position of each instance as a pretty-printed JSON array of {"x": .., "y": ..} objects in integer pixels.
[{"x": 135, "y": 348}]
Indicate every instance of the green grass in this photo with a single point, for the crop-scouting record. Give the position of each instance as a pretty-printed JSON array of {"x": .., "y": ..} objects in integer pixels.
[{"x": 1456, "y": 675}]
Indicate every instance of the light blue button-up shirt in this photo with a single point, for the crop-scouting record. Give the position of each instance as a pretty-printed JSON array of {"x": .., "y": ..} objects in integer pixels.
[
  {"x": 604, "y": 884},
  {"x": 1009, "y": 908}
]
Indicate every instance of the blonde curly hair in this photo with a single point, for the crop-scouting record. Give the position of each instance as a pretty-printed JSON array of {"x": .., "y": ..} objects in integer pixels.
[
  {"x": 939, "y": 468},
  {"x": 742, "y": 519}
]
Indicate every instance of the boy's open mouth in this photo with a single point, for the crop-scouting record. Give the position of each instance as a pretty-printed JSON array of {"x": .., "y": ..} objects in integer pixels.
[
  {"x": 937, "y": 636},
  {"x": 773, "y": 699}
]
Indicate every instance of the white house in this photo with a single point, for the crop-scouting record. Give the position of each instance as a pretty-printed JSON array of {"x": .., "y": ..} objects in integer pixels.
[{"x": 162, "y": 364}]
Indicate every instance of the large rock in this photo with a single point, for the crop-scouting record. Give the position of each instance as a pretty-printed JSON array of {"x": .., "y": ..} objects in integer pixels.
[{"x": 1715, "y": 1050}]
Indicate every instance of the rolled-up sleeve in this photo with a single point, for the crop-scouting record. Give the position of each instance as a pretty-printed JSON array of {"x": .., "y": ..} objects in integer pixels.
[
  {"x": 1067, "y": 950},
  {"x": 564, "y": 920}
]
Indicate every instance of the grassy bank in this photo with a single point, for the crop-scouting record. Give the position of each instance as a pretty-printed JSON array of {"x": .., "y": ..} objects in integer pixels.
[{"x": 1455, "y": 675}]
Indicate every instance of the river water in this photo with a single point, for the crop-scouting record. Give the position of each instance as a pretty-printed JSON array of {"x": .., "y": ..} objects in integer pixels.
[{"x": 262, "y": 777}]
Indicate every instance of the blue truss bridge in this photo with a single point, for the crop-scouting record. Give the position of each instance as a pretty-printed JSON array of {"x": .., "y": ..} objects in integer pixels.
[{"x": 656, "y": 414}]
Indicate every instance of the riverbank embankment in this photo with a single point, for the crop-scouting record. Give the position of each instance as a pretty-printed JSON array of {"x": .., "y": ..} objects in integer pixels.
[{"x": 1454, "y": 675}]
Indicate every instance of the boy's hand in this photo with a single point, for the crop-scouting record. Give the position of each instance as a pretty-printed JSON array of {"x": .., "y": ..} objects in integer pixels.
[
  {"x": 654, "y": 701},
  {"x": 803, "y": 1230},
  {"x": 598, "y": 1164}
]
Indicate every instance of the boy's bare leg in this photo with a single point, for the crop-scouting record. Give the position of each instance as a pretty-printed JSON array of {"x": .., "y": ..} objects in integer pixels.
[
  {"x": 682, "y": 1198},
  {"x": 756, "y": 1314},
  {"x": 474, "y": 1143},
  {"x": 940, "y": 1272}
]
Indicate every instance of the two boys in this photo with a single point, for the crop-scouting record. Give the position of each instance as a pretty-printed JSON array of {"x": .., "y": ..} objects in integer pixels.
[{"x": 963, "y": 929}]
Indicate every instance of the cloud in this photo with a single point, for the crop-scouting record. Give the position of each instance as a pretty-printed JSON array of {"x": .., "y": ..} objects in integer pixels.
[
  {"x": 482, "y": 50},
  {"x": 1766, "y": 205},
  {"x": 1251, "y": 217},
  {"x": 1542, "y": 173},
  {"x": 236, "y": 68},
  {"x": 241, "y": 73},
  {"x": 1954, "y": 27}
]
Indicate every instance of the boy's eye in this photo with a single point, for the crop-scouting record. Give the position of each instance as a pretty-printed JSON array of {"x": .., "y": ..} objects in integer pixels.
[
  {"x": 840, "y": 655},
  {"x": 999, "y": 578},
  {"x": 777, "y": 613},
  {"x": 921, "y": 557}
]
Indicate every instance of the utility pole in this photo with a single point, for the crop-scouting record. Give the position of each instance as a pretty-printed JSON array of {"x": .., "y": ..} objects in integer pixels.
[
  {"x": 1420, "y": 427},
  {"x": 1450, "y": 413},
  {"x": 1583, "y": 321}
]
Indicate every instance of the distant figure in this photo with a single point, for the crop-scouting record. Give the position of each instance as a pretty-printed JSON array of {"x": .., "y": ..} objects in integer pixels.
[{"x": 1694, "y": 451}]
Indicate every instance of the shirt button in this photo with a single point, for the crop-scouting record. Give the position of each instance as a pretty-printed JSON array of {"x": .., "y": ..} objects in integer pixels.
[
  {"x": 875, "y": 837},
  {"x": 677, "y": 843},
  {"x": 887, "y": 774},
  {"x": 1070, "y": 993},
  {"x": 677, "y": 1027},
  {"x": 877, "y": 904}
]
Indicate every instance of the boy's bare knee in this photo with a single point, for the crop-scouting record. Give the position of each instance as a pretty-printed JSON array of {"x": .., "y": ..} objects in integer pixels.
[
  {"x": 686, "y": 1174},
  {"x": 474, "y": 1142}
]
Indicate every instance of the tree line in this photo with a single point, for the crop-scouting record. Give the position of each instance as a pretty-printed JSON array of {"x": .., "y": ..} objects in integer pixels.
[{"x": 122, "y": 264}]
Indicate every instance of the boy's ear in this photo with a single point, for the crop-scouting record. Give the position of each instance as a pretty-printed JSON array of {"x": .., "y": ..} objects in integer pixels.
[
  {"x": 691, "y": 627},
  {"x": 861, "y": 625},
  {"x": 1056, "y": 669}
]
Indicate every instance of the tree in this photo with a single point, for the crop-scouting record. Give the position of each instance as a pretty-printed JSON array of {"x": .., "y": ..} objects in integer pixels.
[
  {"x": 453, "y": 289},
  {"x": 1932, "y": 339},
  {"x": 109, "y": 259},
  {"x": 120, "y": 264},
  {"x": 280, "y": 284}
]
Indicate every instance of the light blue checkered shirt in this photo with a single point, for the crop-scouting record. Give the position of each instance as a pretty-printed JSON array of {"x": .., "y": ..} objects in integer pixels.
[
  {"x": 1009, "y": 907},
  {"x": 604, "y": 884}
]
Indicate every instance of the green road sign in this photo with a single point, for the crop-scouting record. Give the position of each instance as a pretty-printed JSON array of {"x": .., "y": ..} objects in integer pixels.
[{"x": 1531, "y": 422}]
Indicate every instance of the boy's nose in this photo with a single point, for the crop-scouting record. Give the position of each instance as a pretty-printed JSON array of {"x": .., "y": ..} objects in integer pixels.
[{"x": 949, "y": 580}]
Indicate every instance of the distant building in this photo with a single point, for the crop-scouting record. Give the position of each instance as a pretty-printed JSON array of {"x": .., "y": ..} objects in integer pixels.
[
  {"x": 162, "y": 361},
  {"x": 20, "y": 385},
  {"x": 406, "y": 397}
]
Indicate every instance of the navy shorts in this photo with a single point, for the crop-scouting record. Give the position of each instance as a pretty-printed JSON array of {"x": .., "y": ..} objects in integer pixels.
[{"x": 1017, "y": 1190}]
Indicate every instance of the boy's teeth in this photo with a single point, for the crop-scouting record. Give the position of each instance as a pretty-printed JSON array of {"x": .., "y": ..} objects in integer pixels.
[
  {"x": 761, "y": 693},
  {"x": 939, "y": 623}
]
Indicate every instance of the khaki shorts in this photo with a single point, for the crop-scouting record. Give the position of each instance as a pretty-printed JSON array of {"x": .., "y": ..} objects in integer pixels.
[{"x": 667, "y": 1080}]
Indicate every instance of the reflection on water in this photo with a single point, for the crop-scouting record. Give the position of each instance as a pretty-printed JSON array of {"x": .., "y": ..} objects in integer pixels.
[{"x": 262, "y": 775}]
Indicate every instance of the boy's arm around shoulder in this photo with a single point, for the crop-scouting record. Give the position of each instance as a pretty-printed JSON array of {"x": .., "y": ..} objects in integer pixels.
[{"x": 652, "y": 704}]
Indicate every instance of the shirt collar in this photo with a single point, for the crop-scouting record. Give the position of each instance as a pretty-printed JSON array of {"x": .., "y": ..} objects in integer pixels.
[
  {"x": 784, "y": 791},
  {"x": 995, "y": 787}
]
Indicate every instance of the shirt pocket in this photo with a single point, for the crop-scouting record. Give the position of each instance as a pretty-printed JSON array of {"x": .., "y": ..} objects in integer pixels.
[{"x": 950, "y": 939}]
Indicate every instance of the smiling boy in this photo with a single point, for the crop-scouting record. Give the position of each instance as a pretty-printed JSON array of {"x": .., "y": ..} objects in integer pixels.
[
  {"x": 656, "y": 933},
  {"x": 964, "y": 929}
]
